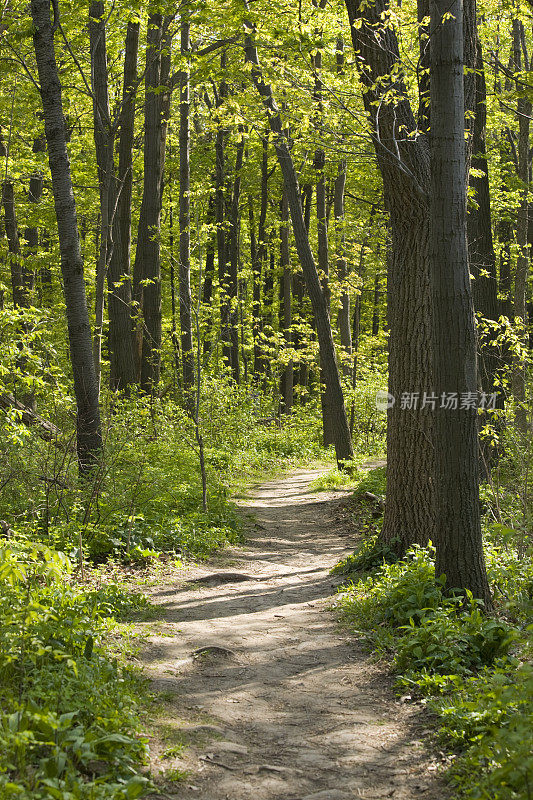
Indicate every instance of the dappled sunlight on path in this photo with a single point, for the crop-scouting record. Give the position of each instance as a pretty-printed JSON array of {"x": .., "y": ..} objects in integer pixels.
[{"x": 273, "y": 699}]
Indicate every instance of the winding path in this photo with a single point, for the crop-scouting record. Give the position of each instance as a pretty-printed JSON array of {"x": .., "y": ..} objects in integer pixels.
[{"x": 273, "y": 700}]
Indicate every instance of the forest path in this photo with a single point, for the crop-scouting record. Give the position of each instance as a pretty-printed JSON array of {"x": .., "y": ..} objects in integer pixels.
[{"x": 282, "y": 705}]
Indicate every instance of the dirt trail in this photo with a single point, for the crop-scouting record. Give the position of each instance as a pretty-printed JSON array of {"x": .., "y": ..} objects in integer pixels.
[{"x": 282, "y": 704}]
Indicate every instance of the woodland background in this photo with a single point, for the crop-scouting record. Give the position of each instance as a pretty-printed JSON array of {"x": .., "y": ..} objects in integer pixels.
[{"x": 240, "y": 176}]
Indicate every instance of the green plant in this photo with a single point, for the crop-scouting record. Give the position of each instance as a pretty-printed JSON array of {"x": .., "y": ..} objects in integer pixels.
[
  {"x": 69, "y": 726},
  {"x": 371, "y": 552},
  {"x": 448, "y": 650}
]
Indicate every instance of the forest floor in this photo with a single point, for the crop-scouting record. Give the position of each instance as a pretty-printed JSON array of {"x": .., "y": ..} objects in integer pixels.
[{"x": 262, "y": 695}]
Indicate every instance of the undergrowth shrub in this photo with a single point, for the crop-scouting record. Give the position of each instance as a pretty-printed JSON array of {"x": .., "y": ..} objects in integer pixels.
[
  {"x": 464, "y": 663},
  {"x": 68, "y": 725},
  {"x": 146, "y": 496}
]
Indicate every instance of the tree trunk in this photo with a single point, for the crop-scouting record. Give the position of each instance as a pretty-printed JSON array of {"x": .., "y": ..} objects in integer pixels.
[
  {"x": 104, "y": 146},
  {"x": 522, "y": 263},
  {"x": 209, "y": 272},
  {"x": 89, "y": 437},
  {"x": 481, "y": 256},
  {"x": 185, "y": 301},
  {"x": 147, "y": 266},
  {"x": 343, "y": 442},
  {"x": 403, "y": 161},
  {"x": 121, "y": 350},
  {"x": 233, "y": 273},
  {"x": 20, "y": 295},
  {"x": 458, "y": 529},
  {"x": 343, "y": 319},
  {"x": 258, "y": 264},
  {"x": 287, "y": 380}
]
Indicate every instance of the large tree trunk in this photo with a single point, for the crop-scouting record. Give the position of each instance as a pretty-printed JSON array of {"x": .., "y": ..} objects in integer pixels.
[
  {"x": 458, "y": 529},
  {"x": 343, "y": 442},
  {"x": 123, "y": 373},
  {"x": 404, "y": 165},
  {"x": 185, "y": 301},
  {"x": 89, "y": 437}
]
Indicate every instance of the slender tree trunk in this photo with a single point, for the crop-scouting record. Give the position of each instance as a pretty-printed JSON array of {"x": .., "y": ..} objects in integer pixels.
[
  {"x": 147, "y": 268},
  {"x": 343, "y": 318},
  {"x": 343, "y": 442},
  {"x": 299, "y": 289},
  {"x": 123, "y": 372},
  {"x": 458, "y": 529},
  {"x": 185, "y": 222},
  {"x": 207, "y": 289},
  {"x": 31, "y": 234},
  {"x": 104, "y": 145},
  {"x": 481, "y": 256},
  {"x": 375, "y": 309},
  {"x": 20, "y": 294},
  {"x": 287, "y": 380},
  {"x": 233, "y": 273},
  {"x": 258, "y": 264},
  {"x": 89, "y": 437},
  {"x": 173, "y": 303},
  {"x": 522, "y": 264}
]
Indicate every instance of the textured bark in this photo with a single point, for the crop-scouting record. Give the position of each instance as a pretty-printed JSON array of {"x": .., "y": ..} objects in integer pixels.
[
  {"x": 89, "y": 438},
  {"x": 343, "y": 442},
  {"x": 185, "y": 301},
  {"x": 404, "y": 165},
  {"x": 148, "y": 254},
  {"x": 458, "y": 540},
  {"x": 123, "y": 372}
]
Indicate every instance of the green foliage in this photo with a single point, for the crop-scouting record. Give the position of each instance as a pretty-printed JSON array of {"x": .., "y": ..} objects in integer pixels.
[
  {"x": 449, "y": 651},
  {"x": 68, "y": 727},
  {"x": 372, "y": 480},
  {"x": 491, "y": 718},
  {"x": 369, "y": 554}
]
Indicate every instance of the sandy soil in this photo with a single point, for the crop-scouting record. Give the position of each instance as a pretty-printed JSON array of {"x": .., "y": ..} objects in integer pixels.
[{"x": 272, "y": 699}]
